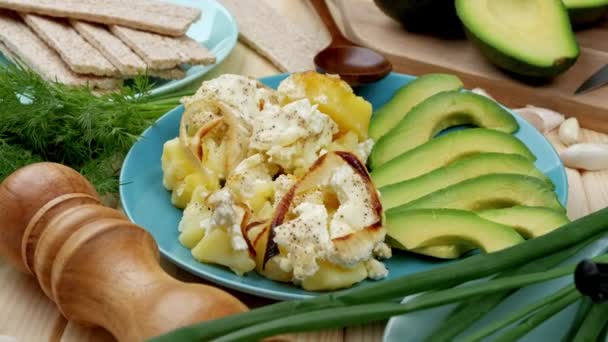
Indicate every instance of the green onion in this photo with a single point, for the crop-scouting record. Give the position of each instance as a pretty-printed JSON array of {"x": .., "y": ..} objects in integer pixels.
[
  {"x": 593, "y": 324},
  {"x": 441, "y": 277},
  {"x": 539, "y": 317},
  {"x": 520, "y": 314},
  {"x": 364, "y": 313},
  {"x": 581, "y": 313},
  {"x": 467, "y": 313}
]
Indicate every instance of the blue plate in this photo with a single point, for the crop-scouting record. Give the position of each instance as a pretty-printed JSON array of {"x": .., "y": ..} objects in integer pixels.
[
  {"x": 216, "y": 29},
  {"x": 148, "y": 204}
]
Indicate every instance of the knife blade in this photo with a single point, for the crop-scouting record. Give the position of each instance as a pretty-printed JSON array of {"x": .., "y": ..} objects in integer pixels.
[{"x": 600, "y": 78}]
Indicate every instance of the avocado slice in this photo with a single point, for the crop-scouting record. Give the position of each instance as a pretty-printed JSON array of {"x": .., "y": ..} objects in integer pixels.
[
  {"x": 401, "y": 193},
  {"x": 586, "y": 12},
  {"x": 446, "y": 149},
  {"x": 529, "y": 222},
  {"x": 530, "y": 38},
  {"x": 491, "y": 191},
  {"x": 433, "y": 115},
  {"x": 404, "y": 99},
  {"x": 414, "y": 229}
]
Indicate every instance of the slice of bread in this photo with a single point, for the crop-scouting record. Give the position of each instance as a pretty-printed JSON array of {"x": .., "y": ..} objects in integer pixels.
[
  {"x": 31, "y": 51},
  {"x": 149, "y": 15},
  {"x": 79, "y": 55}
]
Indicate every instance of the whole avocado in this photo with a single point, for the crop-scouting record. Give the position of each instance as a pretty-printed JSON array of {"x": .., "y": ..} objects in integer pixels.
[{"x": 432, "y": 16}]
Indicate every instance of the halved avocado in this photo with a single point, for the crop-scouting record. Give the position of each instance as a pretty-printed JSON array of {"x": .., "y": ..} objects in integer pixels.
[
  {"x": 491, "y": 191},
  {"x": 527, "y": 37},
  {"x": 414, "y": 229},
  {"x": 466, "y": 168},
  {"x": 446, "y": 149},
  {"x": 429, "y": 16},
  {"x": 585, "y": 12},
  {"x": 404, "y": 99},
  {"x": 529, "y": 222},
  {"x": 433, "y": 115}
]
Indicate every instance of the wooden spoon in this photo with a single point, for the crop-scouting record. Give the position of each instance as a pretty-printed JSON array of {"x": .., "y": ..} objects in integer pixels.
[{"x": 355, "y": 64}]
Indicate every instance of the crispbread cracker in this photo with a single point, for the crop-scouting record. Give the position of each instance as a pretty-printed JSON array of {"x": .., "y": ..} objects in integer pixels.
[
  {"x": 149, "y": 15},
  {"x": 176, "y": 73},
  {"x": 35, "y": 54},
  {"x": 162, "y": 52},
  {"x": 287, "y": 46},
  {"x": 129, "y": 63},
  {"x": 79, "y": 55}
]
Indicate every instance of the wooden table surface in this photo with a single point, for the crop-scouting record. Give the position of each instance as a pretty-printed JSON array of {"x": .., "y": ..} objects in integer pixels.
[{"x": 26, "y": 314}]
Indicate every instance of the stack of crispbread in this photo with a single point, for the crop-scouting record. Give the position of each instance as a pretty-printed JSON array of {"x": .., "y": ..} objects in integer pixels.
[{"x": 100, "y": 42}]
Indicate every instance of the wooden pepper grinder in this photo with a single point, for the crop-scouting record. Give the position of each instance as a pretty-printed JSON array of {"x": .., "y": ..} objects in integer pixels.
[{"x": 98, "y": 267}]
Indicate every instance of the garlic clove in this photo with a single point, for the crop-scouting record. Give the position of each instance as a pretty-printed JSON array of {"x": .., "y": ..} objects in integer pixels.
[
  {"x": 532, "y": 118},
  {"x": 550, "y": 119},
  {"x": 569, "y": 132},
  {"x": 482, "y": 92},
  {"x": 587, "y": 156}
]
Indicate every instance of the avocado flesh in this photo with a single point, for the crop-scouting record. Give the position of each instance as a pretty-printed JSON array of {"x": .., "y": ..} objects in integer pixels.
[
  {"x": 401, "y": 193},
  {"x": 389, "y": 115},
  {"x": 433, "y": 115},
  {"x": 491, "y": 191},
  {"x": 446, "y": 149},
  {"x": 529, "y": 222},
  {"x": 585, "y": 12},
  {"x": 415, "y": 229},
  {"x": 527, "y": 37}
]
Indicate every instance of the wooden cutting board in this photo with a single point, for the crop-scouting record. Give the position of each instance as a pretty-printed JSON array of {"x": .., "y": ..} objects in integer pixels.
[{"x": 417, "y": 54}]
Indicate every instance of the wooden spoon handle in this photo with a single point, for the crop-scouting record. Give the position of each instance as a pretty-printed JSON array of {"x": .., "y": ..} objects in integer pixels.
[
  {"x": 325, "y": 14},
  {"x": 107, "y": 274}
]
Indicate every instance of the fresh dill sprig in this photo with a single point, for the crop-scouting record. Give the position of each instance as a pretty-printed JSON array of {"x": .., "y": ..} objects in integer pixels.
[
  {"x": 74, "y": 126},
  {"x": 13, "y": 157}
]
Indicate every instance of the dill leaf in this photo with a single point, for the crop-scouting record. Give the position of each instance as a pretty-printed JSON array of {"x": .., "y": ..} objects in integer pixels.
[{"x": 72, "y": 125}]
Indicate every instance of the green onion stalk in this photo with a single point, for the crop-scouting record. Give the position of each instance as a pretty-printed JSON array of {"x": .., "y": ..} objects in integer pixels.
[{"x": 450, "y": 275}]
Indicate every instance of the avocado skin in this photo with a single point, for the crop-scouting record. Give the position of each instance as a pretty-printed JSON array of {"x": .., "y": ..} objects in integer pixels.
[
  {"x": 404, "y": 192},
  {"x": 492, "y": 191},
  {"x": 426, "y": 16},
  {"x": 406, "y": 98},
  {"x": 423, "y": 228},
  {"x": 585, "y": 17},
  {"x": 518, "y": 67},
  {"x": 446, "y": 149},
  {"x": 438, "y": 112}
]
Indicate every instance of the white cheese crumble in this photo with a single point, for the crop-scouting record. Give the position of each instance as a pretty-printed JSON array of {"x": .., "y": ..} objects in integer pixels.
[
  {"x": 355, "y": 212},
  {"x": 375, "y": 269},
  {"x": 237, "y": 91},
  {"x": 305, "y": 240},
  {"x": 382, "y": 251},
  {"x": 292, "y": 136},
  {"x": 364, "y": 149},
  {"x": 226, "y": 215},
  {"x": 250, "y": 177}
]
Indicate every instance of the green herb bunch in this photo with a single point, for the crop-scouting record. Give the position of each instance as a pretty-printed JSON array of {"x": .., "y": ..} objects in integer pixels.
[{"x": 41, "y": 120}]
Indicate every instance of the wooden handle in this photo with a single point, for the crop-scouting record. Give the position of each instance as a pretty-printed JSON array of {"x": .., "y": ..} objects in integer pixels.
[
  {"x": 325, "y": 14},
  {"x": 107, "y": 274},
  {"x": 99, "y": 268}
]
